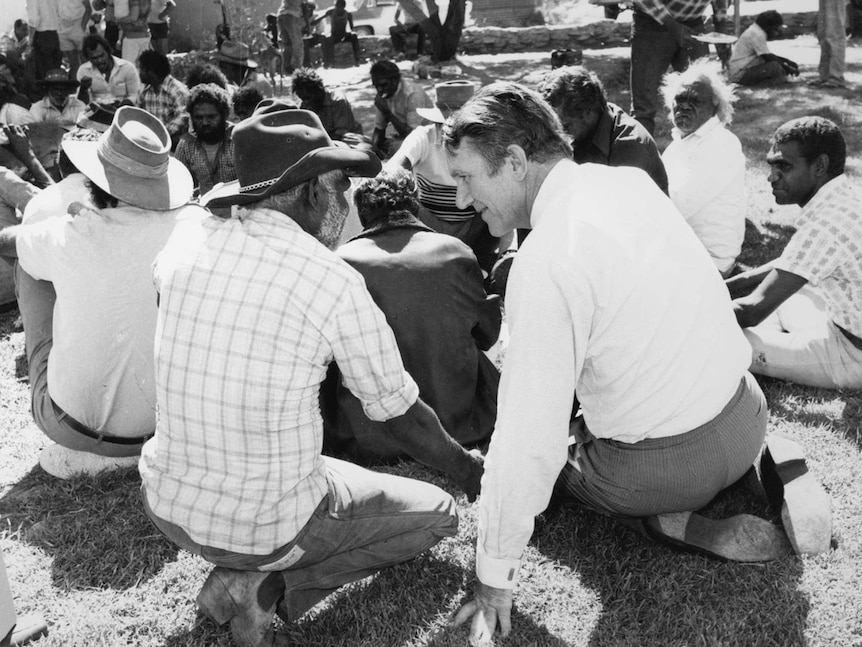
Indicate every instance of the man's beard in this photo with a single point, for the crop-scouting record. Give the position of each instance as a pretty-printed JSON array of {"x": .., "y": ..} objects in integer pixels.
[
  {"x": 214, "y": 136},
  {"x": 332, "y": 225}
]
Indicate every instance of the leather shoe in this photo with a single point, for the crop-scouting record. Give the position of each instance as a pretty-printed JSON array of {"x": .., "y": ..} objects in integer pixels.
[{"x": 806, "y": 509}]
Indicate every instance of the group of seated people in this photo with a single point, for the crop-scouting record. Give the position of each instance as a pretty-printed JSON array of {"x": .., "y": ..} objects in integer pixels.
[{"x": 212, "y": 286}]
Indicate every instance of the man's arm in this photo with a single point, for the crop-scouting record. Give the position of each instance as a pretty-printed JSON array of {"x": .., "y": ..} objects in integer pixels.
[
  {"x": 88, "y": 11},
  {"x": 744, "y": 283},
  {"x": 774, "y": 290},
  {"x": 8, "y": 237},
  {"x": 378, "y": 137},
  {"x": 19, "y": 142}
]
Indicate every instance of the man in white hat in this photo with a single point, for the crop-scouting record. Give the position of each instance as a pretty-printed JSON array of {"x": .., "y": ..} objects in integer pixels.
[
  {"x": 422, "y": 153},
  {"x": 87, "y": 301},
  {"x": 253, "y": 310}
]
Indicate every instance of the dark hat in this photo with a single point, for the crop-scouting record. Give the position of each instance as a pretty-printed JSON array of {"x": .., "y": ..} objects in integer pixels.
[
  {"x": 58, "y": 78},
  {"x": 233, "y": 51},
  {"x": 279, "y": 147},
  {"x": 98, "y": 116}
]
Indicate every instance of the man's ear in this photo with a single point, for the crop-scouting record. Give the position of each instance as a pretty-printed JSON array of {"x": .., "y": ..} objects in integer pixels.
[
  {"x": 518, "y": 159},
  {"x": 313, "y": 192},
  {"x": 821, "y": 165}
]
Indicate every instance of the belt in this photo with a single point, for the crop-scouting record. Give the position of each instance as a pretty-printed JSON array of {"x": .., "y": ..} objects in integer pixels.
[
  {"x": 851, "y": 337},
  {"x": 89, "y": 433}
]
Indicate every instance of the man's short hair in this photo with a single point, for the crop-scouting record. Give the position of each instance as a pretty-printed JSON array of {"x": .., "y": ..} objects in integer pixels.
[
  {"x": 155, "y": 62},
  {"x": 769, "y": 20},
  {"x": 389, "y": 194},
  {"x": 386, "y": 69},
  {"x": 503, "y": 114},
  {"x": 702, "y": 71},
  {"x": 308, "y": 81},
  {"x": 209, "y": 93},
  {"x": 92, "y": 41},
  {"x": 247, "y": 96},
  {"x": 575, "y": 89},
  {"x": 815, "y": 136},
  {"x": 206, "y": 73}
]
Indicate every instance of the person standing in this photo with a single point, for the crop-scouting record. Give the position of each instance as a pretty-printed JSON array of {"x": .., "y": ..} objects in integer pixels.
[
  {"x": 136, "y": 31},
  {"x": 44, "y": 19},
  {"x": 163, "y": 95},
  {"x": 74, "y": 16},
  {"x": 289, "y": 17},
  {"x": 832, "y": 36},
  {"x": 159, "y": 23}
]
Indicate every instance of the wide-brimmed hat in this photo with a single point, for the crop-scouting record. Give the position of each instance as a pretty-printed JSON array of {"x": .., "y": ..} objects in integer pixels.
[
  {"x": 451, "y": 95},
  {"x": 132, "y": 161},
  {"x": 279, "y": 147},
  {"x": 58, "y": 78},
  {"x": 233, "y": 51}
]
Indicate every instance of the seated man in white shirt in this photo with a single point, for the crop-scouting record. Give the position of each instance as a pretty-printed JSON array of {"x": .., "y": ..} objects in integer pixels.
[
  {"x": 106, "y": 78},
  {"x": 597, "y": 305},
  {"x": 802, "y": 313},
  {"x": 704, "y": 163},
  {"x": 751, "y": 62}
]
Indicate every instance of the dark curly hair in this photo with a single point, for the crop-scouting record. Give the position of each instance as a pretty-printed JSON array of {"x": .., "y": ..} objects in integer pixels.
[
  {"x": 206, "y": 73},
  {"x": 575, "y": 89},
  {"x": 390, "y": 194},
  {"x": 815, "y": 136},
  {"x": 307, "y": 81},
  {"x": 209, "y": 93}
]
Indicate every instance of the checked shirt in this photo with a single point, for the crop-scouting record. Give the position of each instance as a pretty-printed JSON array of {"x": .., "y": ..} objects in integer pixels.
[{"x": 168, "y": 103}]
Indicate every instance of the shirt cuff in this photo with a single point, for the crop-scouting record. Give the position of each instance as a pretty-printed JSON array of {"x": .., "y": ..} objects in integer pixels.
[
  {"x": 499, "y": 573},
  {"x": 395, "y": 404}
]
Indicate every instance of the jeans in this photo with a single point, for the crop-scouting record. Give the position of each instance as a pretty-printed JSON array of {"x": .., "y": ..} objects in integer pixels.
[
  {"x": 367, "y": 521},
  {"x": 798, "y": 342},
  {"x": 653, "y": 49},
  {"x": 290, "y": 35},
  {"x": 831, "y": 17}
]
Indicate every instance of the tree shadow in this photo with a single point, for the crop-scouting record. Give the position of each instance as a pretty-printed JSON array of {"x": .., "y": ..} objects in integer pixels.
[
  {"x": 653, "y": 595},
  {"x": 767, "y": 240},
  {"x": 94, "y": 527}
]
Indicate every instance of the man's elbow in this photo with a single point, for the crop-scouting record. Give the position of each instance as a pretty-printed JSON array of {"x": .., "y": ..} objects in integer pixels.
[{"x": 749, "y": 314}]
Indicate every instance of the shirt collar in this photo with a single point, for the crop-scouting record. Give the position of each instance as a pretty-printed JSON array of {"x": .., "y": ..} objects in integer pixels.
[
  {"x": 711, "y": 124},
  {"x": 825, "y": 195}
]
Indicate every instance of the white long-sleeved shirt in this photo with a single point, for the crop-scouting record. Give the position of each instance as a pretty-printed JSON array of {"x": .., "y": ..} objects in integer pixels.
[
  {"x": 706, "y": 177},
  {"x": 612, "y": 296}
]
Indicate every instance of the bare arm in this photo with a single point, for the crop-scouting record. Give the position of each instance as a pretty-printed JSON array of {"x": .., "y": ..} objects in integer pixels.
[
  {"x": 772, "y": 291},
  {"x": 8, "y": 236},
  {"x": 19, "y": 142}
]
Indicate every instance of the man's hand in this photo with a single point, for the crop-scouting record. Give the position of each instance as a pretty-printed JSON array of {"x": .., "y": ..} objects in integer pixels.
[
  {"x": 19, "y": 140},
  {"x": 382, "y": 106},
  {"x": 471, "y": 481},
  {"x": 488, "y": 607}
]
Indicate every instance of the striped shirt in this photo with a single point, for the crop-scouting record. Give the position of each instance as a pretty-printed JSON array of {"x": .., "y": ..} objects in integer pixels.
[
  {"x": 168, "y": 103},
  {"x": 252, "y": 312},
  {"x": 826, "y": 250}
]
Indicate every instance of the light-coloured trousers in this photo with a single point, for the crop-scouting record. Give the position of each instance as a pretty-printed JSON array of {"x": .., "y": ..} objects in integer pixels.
[{"x": 831, "y": 18}]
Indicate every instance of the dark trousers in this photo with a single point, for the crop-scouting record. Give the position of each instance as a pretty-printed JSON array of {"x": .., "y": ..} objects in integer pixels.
[
  {"x": 399, "y": 33},
  {"x": 329, "y": 43},
  {"x": 653, "y": 50},
  {"x": 46, "y": 52}
]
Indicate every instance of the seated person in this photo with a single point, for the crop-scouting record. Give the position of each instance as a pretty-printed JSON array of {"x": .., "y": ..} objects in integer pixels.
[
  {"x": 400, "y": 32},
  {"x": 429, "y": 286},
  {"x": 239, "y": 478},
  {"x": 234, "y": 60},
  {"x": 244, "y": 101},
  {"x": 106, "y": 78},
  {"x": 705, "y": 163},
  {"x": 331, "y": 106},
  {"x": 751, "y": 62},
  {"x": 396, "y": 103},
  {"x": 802, "y": 313},
  {"x": 339, "y": 20},
  {"x": 601, "y": 132},
  {"x": 59, "y": 104},
  {"x": 422, "y": 154},
  {"x": 91, "y": 366}
]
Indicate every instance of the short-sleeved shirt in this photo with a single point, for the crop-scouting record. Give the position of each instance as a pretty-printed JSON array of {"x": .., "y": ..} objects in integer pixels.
[
  {"x": 826, "y": 250},
  {"x": 403, "y": 104},
  {"x": 621, "y": 140},
  {"x": 437, "y": 190},
  {"x": 123, "y": 81},
  {"x": 747, "y": 51},
  {"x": 252, "y": 312}
]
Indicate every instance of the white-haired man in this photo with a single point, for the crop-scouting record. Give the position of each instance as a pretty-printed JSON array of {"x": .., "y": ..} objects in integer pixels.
[
  {"x": 704, "y": 162},
  {"x": 235, "y": 471}
]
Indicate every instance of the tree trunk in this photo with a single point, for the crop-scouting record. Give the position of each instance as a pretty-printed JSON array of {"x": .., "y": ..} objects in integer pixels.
[{"x": 443, "y": 37}]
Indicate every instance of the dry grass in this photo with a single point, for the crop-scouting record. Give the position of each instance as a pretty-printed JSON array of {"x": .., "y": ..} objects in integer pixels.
[{"x": 83, "y": 554}]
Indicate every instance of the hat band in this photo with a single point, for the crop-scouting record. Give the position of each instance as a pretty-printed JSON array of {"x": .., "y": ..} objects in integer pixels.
[
  {"x": 257, "y": 185},
  {"x": 126, "y": 164}
]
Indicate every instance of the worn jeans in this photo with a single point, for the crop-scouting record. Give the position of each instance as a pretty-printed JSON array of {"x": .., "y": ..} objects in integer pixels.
[
  {"x": 831, "y": 16},
  {"x": 653, "y": 50},
  {"x": 367, "y": 521},
  {"x": 799, "y": 343}
]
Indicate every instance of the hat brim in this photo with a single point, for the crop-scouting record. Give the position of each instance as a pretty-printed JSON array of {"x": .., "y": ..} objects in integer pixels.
[
  {"x": 170, "y": 191},
  {"x": 432, "y": 114},
  {"x": 246, "y": 63},
  {"x": 316, "y": 162},
  {"x": 69, "y": 85}
]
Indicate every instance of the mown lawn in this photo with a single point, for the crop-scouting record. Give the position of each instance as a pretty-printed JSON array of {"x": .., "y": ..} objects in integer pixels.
[{"x": 83, "y": 554}]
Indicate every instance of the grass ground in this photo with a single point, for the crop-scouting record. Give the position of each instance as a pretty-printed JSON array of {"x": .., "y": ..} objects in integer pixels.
[{"x": 83, "y": 554}]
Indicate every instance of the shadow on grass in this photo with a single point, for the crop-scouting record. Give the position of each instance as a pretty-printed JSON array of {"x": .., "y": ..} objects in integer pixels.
[
  {"x": 95, "y": 528},
  {"x": 652, "y": 595}
]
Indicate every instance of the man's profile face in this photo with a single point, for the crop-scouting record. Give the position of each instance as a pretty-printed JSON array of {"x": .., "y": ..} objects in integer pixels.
[
  {"x": 498, "y": 197},
  {"x": 148, "y": 77},
  {"x": 385, "y": 85},
  {"x": 100, "y": 59},
  {"x": 693, "y": 106},
  {"x": 792, "y": 177},
  {"x": 579, "y": 125},
  {"x": 208, "y": 123}
]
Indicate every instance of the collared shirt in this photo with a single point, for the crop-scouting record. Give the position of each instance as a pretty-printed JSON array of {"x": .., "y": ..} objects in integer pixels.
[
  {"x": 403, "y": 104},
  {"x": 123, "y": 81},
  {"x": 43, "y": 15},
  {"x": 335, "y": 114},
  {"x": 44, "y": 110},
  {"x": 207, "y": 174},
  {"x": 610, "y": 295},
  {"x": 706, "y": 173},
  {"x": 621, "y": 140},
  {"x": 168, "y": 103},
  {"x": 747, "y": 51},
  {"x": 252, "y": 312},
  {"x": 680, "y": 10},
  {"x": 826, "y": 250}
]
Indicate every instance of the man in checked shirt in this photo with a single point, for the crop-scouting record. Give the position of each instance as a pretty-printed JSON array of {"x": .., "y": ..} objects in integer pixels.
[
  {"x": 662, "y": 35},
  {"x": 253, "y": 309}
]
